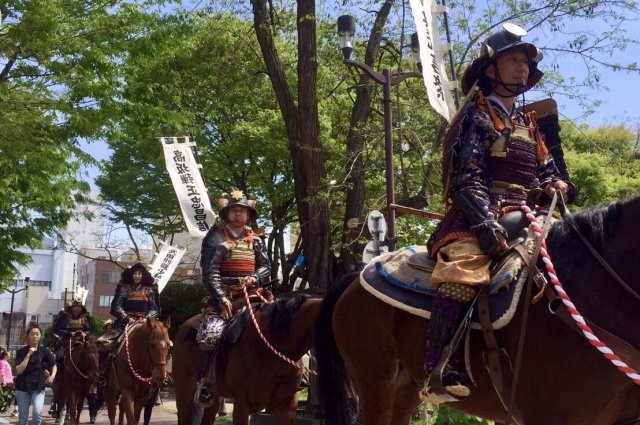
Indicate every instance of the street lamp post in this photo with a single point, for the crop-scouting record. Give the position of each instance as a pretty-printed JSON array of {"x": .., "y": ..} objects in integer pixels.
[
  {"x": 13, "y": 295},
  {"x": 346, "y": 31}
]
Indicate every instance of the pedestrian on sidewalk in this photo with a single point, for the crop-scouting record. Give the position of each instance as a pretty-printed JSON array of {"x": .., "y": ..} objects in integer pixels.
[
  {"x": 35, "y": 368},
  {"x": 7, "y": 387}
]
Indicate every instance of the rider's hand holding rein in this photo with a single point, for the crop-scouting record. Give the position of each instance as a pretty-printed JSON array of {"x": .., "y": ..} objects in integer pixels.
[
  {"x": 226, "y": 309},
  {"x": 560, "y": 186}
]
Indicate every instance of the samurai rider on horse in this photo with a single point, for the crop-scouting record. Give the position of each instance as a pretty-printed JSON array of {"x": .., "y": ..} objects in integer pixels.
[
  {"x": 232, "y": 256},
  {"x": 493, "y": 156},
  {"x": 71, "y": 324},
  {"x": 136, "y": 297}
]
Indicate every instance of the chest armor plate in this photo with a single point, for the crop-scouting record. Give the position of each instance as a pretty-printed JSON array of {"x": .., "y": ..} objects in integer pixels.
[
  {"x": 240, "y": 260},
  {"x": 513, "y": 166},
  {"x": 76, "y": 324}
]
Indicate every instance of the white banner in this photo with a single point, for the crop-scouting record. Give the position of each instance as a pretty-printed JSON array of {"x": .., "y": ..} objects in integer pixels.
[
  {"x": 188, "y": 184},
  {"x": 165, "y": 264},
  {"x": 435, "y": 77},
  {"x": 81, "y": 294}
]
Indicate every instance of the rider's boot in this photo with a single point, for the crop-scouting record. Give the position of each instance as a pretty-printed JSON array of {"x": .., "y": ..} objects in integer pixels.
[
  {"x": 203, "y": 396},
  {"x": 449, "y": 307},
  {"x": 101, "y": 377}
]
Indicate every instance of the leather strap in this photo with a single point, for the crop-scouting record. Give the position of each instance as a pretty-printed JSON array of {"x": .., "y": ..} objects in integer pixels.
[{"x": 496, "y": 359}]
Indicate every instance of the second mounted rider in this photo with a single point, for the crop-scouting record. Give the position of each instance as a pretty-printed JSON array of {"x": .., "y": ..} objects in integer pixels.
[
  {"x": 233, "y": 256},
  {"x": 136, "y": 297}
]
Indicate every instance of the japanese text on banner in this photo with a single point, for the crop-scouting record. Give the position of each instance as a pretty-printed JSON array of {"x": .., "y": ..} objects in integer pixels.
[{"x": 188, "y": 185}]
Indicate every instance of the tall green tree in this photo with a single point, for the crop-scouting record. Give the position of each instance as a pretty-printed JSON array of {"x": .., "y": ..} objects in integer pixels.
[{"x": 58, "y": 63}]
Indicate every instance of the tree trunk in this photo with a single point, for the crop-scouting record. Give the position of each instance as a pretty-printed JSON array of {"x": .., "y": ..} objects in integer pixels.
[
  {"x": 354, "y": 166},
  {"x": 304, "y": 144}
]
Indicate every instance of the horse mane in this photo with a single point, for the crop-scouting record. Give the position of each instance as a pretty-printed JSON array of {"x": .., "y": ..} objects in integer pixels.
[
  {"x": 596, "y": 224},
  {"x": 282, "y": 312}
]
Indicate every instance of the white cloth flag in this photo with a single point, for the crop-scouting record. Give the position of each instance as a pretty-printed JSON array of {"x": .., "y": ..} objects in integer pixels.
[
  {"x": 435, "y": 76},
  {"x": 165, "y": 264},
  {"x": 81, "y": 294},
  {"x": 188, "y": 184}
]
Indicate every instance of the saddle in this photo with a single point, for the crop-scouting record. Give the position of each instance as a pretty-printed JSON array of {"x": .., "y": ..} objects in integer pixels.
[{"x": 402, "y": 279}]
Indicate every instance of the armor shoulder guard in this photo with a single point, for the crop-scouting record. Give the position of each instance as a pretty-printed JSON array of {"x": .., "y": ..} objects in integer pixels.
[{"x": 214, "y": 238}]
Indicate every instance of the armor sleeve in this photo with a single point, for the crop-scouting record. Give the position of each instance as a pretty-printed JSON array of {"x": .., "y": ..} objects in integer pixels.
[
  {"x": 60, "y": 328},
  {"x": 86, "y": 328},
  {"x": 117, "y": 305},
  {"x": 213, "y": 252},
  {"x": 470, "y": 181},
  {"x": 263, "y": 265},
  {"x": 153, "y": 307}
]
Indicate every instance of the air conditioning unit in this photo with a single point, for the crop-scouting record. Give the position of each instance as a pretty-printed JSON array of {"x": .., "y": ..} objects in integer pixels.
[{"x": 34, "y": 317}]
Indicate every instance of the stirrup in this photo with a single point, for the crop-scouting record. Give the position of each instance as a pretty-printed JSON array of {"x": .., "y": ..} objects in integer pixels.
[
  {"x": 436, "y": 390},
  {"x": 202, "y": 396}
]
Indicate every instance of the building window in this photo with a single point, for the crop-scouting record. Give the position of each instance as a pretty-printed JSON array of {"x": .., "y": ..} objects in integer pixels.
[
  {"x": 20, "y": 283},
  {"x": 109, "y": 277},
  {"x": 105, "y": 300}
]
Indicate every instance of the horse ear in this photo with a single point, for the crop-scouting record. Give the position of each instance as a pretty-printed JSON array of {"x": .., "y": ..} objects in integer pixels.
[
  {"x": 167, "y": 322},
  {"x": 149, "y": 322}
]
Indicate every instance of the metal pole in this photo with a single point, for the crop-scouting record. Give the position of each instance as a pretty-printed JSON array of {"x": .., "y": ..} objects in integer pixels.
[
  {"x": 452, "y": 67},
  {"x": 389, "y": 171},
  {"x": 13, "y": 294}
]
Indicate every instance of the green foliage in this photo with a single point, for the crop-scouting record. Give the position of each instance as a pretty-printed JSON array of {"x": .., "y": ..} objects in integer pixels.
[
  {"x": 602, "y": 162},
  {"x": 59, "y": 62},
  {"x": 47, "y": 337},
  {"x": 181, "y": 301},
  {"x": 446, "y": 416},
  {"x": 97, "y": 326}
]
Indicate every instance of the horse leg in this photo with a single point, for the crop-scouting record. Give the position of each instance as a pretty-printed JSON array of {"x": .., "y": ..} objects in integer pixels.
[
  {"x": 286, "y": 414},
  {"x": 127, "y": 403},
  {"x": 406, "y": 399},
  {"x": 209, "y": 414},
  {"x": 111, "y": 399},
  {"x": 71, "y": 406},
  {"x": 374, "y": 379},
  {"x": 241, "y": 413},
  {"x": 120, "y": 413}
]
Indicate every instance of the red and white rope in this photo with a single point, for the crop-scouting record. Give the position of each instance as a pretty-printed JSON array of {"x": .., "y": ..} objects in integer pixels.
[
  {"x": 297, "y": 364},
  {"x": 575, "y": 314},
  {"x": 126, "y": 348},
  {"x": 74, "y": 363}
]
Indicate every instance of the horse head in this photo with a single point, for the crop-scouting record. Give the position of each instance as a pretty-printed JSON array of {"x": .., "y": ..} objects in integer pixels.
[
  {"x": 159, "y": 345},
  {"x": 84, "y": 357}
]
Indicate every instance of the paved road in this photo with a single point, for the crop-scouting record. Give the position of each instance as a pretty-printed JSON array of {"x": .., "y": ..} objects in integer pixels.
[{"x": 165, "y": 414}]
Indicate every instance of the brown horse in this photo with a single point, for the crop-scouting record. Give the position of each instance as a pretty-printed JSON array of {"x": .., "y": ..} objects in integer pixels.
[
  {"x": 248, "y": 371},
  {"x": 139, "y": 364},
  {"x": 72, "y": 386},
  {"x": 563, "y": 380}
]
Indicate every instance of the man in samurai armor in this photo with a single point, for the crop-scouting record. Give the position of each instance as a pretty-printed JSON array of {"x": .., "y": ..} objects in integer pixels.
[
  {"x": 493, "y": 156},
  {"x": 232, "y": 256},
  {"x": 72, "y": 324},
  {"x": 136, "y": 297}
]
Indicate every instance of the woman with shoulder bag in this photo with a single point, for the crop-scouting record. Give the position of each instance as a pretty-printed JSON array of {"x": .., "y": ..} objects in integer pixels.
[{"x": 35, "y": 368}]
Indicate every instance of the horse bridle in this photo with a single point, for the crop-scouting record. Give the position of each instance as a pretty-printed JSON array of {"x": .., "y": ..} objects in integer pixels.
[
  {"x": 131, "y": 368},
  {"x": 73, "y": 363}
]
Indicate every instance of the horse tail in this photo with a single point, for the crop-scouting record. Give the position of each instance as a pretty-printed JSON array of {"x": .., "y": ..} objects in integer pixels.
[{"x": 338, "y": 406}]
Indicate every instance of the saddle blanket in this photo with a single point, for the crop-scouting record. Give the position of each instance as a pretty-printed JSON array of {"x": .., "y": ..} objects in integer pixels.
[
  {"x": 234, "y": 328},
  {"x": 402, "y": 279}
]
